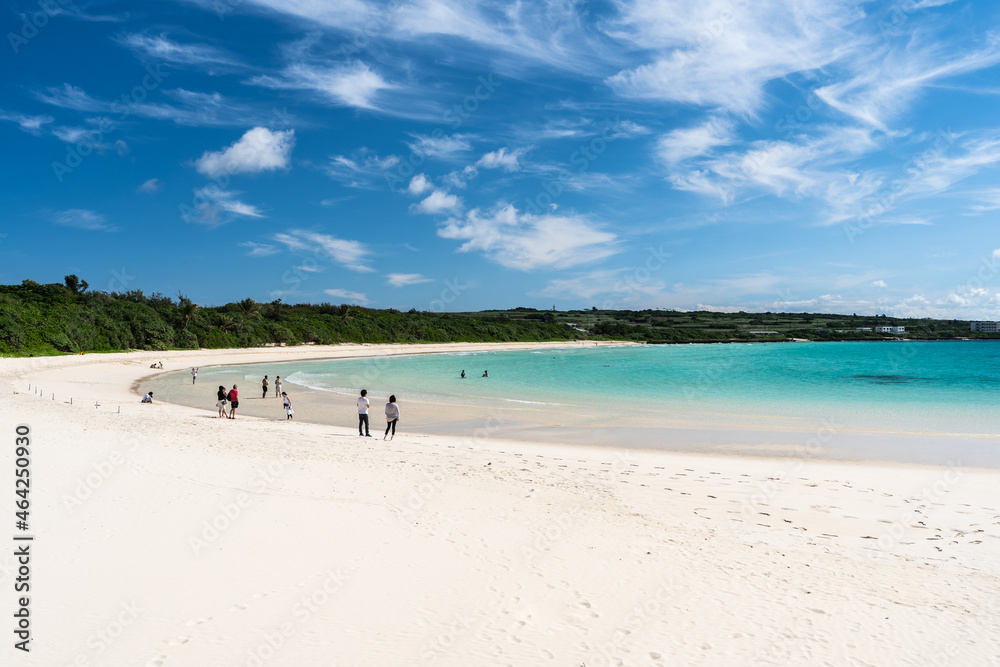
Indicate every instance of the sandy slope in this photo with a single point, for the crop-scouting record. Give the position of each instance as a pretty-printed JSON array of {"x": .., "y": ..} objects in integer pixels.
[{"x": 168, "y": 537}]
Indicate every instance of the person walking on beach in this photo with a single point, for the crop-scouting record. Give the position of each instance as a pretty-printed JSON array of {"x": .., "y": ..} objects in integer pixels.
[
  {"x": 277, "y": 386},
  {"x": 363, "y": 404},
  {"x": 234, "y": 401},
  {"x": 194, "y": 375},
  {"x": 391, "y": 416},
  {"x": 221, "y": 404},
  {"x": 288, "y": 406},
  {"x": 263, "y": 386}
]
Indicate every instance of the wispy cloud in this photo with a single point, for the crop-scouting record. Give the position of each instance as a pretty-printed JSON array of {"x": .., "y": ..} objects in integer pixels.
[
  {"x": 363, "y": 169},
  {"x": 504, "y": 158},
  {"x": 353, "y": 85},
  {"x": 404, "y": 279},
  {"x": 83, "y": 219},
  {"x": 259, "y": 249},
  {"x": 717, "y": 53},
  {"x": 258, "y": 150},
  {"x": 354, "y": 297},
  {"x": 150, "y": 186},
  {"x": 684, "y": 143},
  {"x": 528, "y": 242},
  {"x": 443, "y": 147},
  {"x": 28, "y": 123},
  {"x": 160, "y": 48},
  {"x": 189, "y": 108},
  {"x": 352, "y": 255},
  {"x": 214, "y": 206}
]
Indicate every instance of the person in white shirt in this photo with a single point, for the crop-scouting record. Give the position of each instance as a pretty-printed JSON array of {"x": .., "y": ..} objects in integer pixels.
[
  {"x": 363, "y": 404},
  {"x": 288, "y": 406}
]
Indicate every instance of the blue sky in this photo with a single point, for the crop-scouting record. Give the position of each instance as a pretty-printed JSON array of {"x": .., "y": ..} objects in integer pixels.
[{"x": 808, "y": 155}]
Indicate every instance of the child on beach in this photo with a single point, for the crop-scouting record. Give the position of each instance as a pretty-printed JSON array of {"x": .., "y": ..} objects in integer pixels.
[
  {"x": 148, "y": 398},
  {"x": 288, "y": 406},
  {"x": 391, "y": 416},
  {"x": 222, "y": 402},
  {"x": 277, "y": 386}
]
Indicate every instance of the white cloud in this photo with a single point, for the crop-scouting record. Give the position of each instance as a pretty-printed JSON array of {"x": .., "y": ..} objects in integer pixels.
[
  {"x": 353, "y": 85},
  {"x": 443, "y": 147},
  {"x": 258, "y": 150},
  {"x": 150, "y": 186},
  {"x": 438, "y": 201},
  {"x": 83, "y": 219},
  {"x": 352, "y": 255},
  {"x": 404, "y": 279},
  {"x": 502, "y": 158},
  {"x": 684, "y": 143},
  {"x": 354, "y": 297},
  {"x": 879, "y": 283},
  {"x": 214, "y": 206},
  {"x": 419, "y": 184},
  {"x": 526, "y": 242},
  {"x": 259, "y": 249}
]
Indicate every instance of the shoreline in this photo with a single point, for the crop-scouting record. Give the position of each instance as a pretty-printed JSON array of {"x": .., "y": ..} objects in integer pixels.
[
  {"x": 682, "y": 428},
  {"x": 253, "y": 541}
]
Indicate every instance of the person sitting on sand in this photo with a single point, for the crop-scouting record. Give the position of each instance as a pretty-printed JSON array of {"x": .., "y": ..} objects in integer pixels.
[
  {"x": 160, "y": 365},
  {"x": 263, "y": 386},
  {"x": 153, "y": 365},
  {"x": 288, "y": 406},
  {"x": 391, "y": 416},
  {"x": 148, "y": 398},
  {"x": 222, "y": 402},
  {"x": 234, "y": 400},
  {"x": 277, "y": 386}
]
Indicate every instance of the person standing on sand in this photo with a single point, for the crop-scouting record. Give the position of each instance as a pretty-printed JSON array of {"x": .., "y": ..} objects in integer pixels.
[
  {"x": 234, "y": 400},
  {"x": 391, "y": 416},
  {"x": 363, "y": 404},
  {"x": 277, "y": 386},
  {"x": 288, "y": 406},
  {"x": 263, "y": 385},
  {"x": 222, "y": 402}
]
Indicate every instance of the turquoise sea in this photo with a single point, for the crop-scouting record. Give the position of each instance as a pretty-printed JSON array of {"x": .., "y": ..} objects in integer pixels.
[{"x": 946, "y": 387}]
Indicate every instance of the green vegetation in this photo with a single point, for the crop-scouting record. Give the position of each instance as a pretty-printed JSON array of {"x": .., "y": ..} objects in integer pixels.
[{"x": 38, "y": 319}]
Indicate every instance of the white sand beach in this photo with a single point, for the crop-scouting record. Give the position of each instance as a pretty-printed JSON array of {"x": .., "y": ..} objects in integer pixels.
[{"x": 166, "y": 536}]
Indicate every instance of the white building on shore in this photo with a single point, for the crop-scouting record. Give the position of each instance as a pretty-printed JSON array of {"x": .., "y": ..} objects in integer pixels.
[
  {"x": 986, "y": 327},
  {"x": 891, "y": 330}
]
